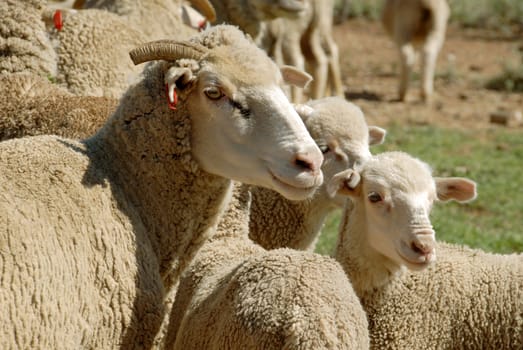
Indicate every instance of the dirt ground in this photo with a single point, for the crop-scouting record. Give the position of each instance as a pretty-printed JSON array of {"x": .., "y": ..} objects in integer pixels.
[{"x": 468, "y": 59}]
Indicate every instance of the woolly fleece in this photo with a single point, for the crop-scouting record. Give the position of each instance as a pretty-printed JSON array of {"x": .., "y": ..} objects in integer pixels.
[
  {"x": 24, "y": 43},
  {"x": 236, "y": 295},
  {"x": 31, "y": 105},
  {"x": 468, "y": 299}
]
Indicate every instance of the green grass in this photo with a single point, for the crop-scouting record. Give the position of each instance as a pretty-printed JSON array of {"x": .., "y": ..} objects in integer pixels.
[
  {"x": 493, "y": 158},
  {"x": 511, "y": 79}
]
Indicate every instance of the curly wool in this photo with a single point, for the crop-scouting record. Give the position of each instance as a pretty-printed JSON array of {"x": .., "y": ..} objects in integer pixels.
[
  {"x": 236, "y": 295},
  {"x": 31, "y": 105},
  {"x": 24, "y": 43},
  {"x": 157, "y": 19},
  {"x": 467, "y": 299}
]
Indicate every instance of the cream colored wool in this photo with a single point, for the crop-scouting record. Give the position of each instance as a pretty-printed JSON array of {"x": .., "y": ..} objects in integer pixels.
[
  {"x": 93, "y": 53},
  {"x": 156, "y": 19},
  {"x": 95, "y": 233},
  {"x": 466, "y": 299},
  {"x": 88, "y": 56},
  {"x": 340, "y": 128},
  {"x": 236, "y": 295},
  {"x": 31, "y": 105},
  {"x": 24, "y": 44}
]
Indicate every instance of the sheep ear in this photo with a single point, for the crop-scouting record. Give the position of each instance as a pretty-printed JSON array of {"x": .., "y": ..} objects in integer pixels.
[
  {"x": 296, "y": 77},
  {"x": 304, "y": 111},
  {"x": 346, "y": 182},
  {"x": 376, "y": 135},
  {"x": 455, "y": 188},
  {"x": 176, "y": 77}
]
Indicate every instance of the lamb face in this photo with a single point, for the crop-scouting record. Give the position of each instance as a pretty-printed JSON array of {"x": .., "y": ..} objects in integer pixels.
[
  {"x": 236, "y": 105},
  {"x": 342, "y": 134},
  {"x": 393, "y": 195}
]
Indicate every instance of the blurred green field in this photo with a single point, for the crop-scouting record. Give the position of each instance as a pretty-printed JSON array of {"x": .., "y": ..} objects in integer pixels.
[{"x": 492, "y": 157}]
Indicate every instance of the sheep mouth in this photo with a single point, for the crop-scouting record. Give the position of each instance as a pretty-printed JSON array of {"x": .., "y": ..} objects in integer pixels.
[
  {"x": 414, "y": 259},
  {"x": 291, "y": 191}
]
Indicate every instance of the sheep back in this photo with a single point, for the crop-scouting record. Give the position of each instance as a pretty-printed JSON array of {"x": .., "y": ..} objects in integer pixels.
[
  {"x": 99, "y": 279},
  {"x": 468, "y": 299},
  {"x": 92, "y": 59},
  {"x": 31, "y": 105},
  {"x": 24, "y": 43}
]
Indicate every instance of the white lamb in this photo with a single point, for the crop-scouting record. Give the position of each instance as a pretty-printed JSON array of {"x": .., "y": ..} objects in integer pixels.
[
  {"x": 236, "y": 295},
  {"x": 95, "y": 233},
  {"x": 466, "y": 299},
  {"x": 340, "y": 130},
  {"x": 416, "y": 24}
]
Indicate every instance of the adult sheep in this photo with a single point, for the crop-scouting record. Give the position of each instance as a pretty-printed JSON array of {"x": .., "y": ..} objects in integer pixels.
[
  {"x": 466, "y": 299},
  {"x": 340, "y": 130},
  {"x": 306, "y": 42},
  {"x": 416, "y": 24},
  {"x": 95, "y": 233},
  {"x": 252, "y": 16},
  {"x": 237, "y": 295}
]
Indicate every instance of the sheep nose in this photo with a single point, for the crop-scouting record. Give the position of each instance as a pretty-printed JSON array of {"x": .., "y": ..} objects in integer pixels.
[
  {"x": 424, "y": 243},
  {"x": 308, "y": 161}
]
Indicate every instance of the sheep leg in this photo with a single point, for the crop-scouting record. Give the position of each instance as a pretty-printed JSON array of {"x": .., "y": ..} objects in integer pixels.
[
  {"x": 335, "y": 82},
  {"x": 320, "y": 67},
  {"x": 428, "y": 60},
  {"x": 407, "y": 60}
]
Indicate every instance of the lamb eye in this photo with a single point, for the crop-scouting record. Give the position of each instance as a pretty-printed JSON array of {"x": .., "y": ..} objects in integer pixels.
[
  {"x": 213, "y": 93},
  {"x": 374, "y": 197},
  {"x": 324, "y": 148}
]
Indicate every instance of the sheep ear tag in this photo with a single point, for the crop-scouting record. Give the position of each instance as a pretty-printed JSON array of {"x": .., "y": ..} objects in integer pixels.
[
  {"x": 172, "y": 96},
  {"x": 58, "y": 20}
]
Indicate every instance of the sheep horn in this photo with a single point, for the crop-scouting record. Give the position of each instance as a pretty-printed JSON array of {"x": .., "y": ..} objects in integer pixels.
[
  {"x": 166, "y": 50},
  {"x": 205, "y": 8}
]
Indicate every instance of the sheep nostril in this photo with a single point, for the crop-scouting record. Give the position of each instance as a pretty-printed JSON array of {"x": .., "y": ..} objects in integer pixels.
[
  {"x": 421, "y": 248},
  {"x": 304, "y": 163}
]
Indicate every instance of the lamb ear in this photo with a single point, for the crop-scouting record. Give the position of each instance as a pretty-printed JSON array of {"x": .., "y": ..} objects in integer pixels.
[
  {"x": 376, "y": 135},
  {"x": 455, "y": 188},
  {"x": 304, "y": 111},
  {"x": 296, "y": 77},
  {"x": 346, "y": 182}
]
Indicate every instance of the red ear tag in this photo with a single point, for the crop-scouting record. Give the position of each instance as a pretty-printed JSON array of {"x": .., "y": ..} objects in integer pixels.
[
  {"x": 202, "y": 25},
  {"x": 57, "y": 18},
  {"x": 171, "y": 103}
]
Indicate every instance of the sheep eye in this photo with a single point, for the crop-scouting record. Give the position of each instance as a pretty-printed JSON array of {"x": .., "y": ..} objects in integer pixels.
[
  {"x": 213, "y": 93},
  {"x": 374, "y": 197},
  {"x": 324, "y": 148}
]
